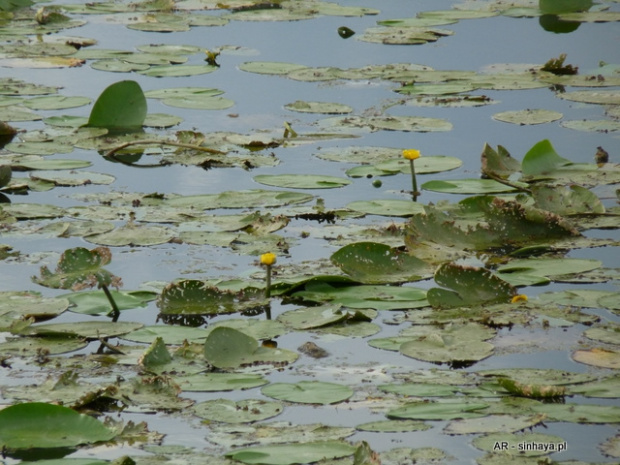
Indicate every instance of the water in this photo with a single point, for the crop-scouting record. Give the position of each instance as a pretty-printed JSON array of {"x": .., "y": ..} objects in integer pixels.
[{"x": 259, "y": 101}]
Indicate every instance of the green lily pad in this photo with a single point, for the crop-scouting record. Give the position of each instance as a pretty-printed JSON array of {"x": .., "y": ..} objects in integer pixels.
[
  {"x": 542, "y": 159},
  {"x": 72, "y": 178},
  {"x": 213, "y": 382},
  {"x": 603, "y": 97},
  {"x": 239, "y": 199},
  {"x": 532, "y": 270},
  {"x": 527, "y": 117},
  {"x": 196, "y": 297},
  {"x": 269, "y": 67},
  {"x": 389, "y": 123},
  {"x": 178, "y": 70},
  {"x": 454, "y": 344},
  {"x": 393, "y": 426},
  {"x": 372, "y": 262},
  {"x": 85, "y": 329},
  {"x": 78, "y": 267},
  {"x": 493, "y": 424},
  {"x": 467, "y": 186},
  {"x": 288, "y": 454},
  {"x": 308, "y": 392},
  {"x": 55, "y": 102},
  {"x": 40, "y": 425},
  {"x": 229, "y": 348},
  {"x": 171, "y": 334},
  {"x": 96, "y": 302},
  {"x": 133, "y": 234},
  {"x": 243, "y": 411},
  {"x": 32, "y": 305},
  {"x": 389, "y": 207},
  {"x": 469, "y": 286},
  {"x": 319, "y": 107},
  {"x": 444, "y": 410},
  {"x": 318, "y": 317},
  {"x": 567, "y": 200},
  {"x": 375, "y": 297},
  {"x": 302, "y": 181}
]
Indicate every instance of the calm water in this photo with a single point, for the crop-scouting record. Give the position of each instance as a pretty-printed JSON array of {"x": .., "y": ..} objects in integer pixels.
[{"x": 259, "y": 99}]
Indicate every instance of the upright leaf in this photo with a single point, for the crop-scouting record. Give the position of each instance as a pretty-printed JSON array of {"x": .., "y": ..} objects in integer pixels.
[{"x": 121, "y": 105}]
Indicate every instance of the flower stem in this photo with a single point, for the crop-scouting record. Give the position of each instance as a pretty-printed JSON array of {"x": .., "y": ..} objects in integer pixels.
[
  {"x": 268, "y": 283},
  {"x": 414, "y": 182}
]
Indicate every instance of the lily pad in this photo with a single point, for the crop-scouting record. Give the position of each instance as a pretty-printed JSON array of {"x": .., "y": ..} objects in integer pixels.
[
  {"x": 72, "y": 177},
  {"x": 493, "y": 424},
  {"x": 319, "y": 107},
  {"x": 213, "y": 382},
  {"x": 308, "y": 392},
  {"x": 302, "y": 181},
  {"x": 527, "y": 117},
  {"x": 469, "y": 286},
  {"x": 323, "y": 315},
  {"x": 40, "y": 425},
  {"x": 372, "y": 262},
  {"x": 454, "y": 344},
  {"x": 445, "y": 410},
  {"x": 196, "y": 297},
  {"x": 243, "y": 411},
  {"x": 229, "y": 348},
  {"x": 467, "y": 186},
  {"x": 288, "y": 454},
  {"x": 96, "y": 302},
  {"x": 389, "y": 207}
]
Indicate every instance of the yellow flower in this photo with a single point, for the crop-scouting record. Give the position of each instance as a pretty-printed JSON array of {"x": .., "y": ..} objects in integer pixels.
[
  {"x": 268, "y": 258},
  {"x": 519, "y": 298},
  {"x": 411, "y": 154}
]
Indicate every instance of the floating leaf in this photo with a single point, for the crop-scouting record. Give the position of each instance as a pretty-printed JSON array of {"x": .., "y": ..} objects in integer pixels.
[
  {"x": 79, "y": 268},
  {"x": 121, "y": 105},
  {"x": 243, "y": 411},
  {"x": 308, "y": 392},
  {"x": 319, "y": 107},
  {"x": 40, "y": 425},
  {"x": 72, "y": 178},
  {"x": 446, "y": 410},
  {"x": 389, "y": 207},
  {"x": 453, "y": 344},
  {"x": 376, "y": 297},
  {"x": 212, "y": 382},
  {"x": 133, "y": 234},
  {"x": 323, "y": 315},
  {"x": 302, "y": 181},
  {"x": 493, "y": 424},
  {"x": 567, "y": 200},
  {"x": 468, "y": 286},
  {"x": 96, "y": 302},
  {"x": 288, "y": 454},
  {"x": 372, "y": 262},
  {"x": 598, "y": 357},
  {"x": 527, "y": 117},
  {"x": 467, "y": 186},
  {"x": 196, "y": 297},
  {"x": 229, "y": 348}
]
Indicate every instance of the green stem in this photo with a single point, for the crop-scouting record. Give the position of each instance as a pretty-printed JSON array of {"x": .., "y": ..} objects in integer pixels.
[
  {"x": 414, "y": 182},
  {"x": 115, "y": 312},
  {"x": 268, "y": 283}
]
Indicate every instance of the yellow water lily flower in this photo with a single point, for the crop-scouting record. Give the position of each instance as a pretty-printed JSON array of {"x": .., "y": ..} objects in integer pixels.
[
  {"x": 519, "y": 298},
  {"x": 268, "y": 259},
  {"x": 411, "y": 154}
]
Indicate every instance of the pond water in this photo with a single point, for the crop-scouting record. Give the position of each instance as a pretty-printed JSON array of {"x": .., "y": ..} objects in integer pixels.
[{"x": 476, "y": 45}]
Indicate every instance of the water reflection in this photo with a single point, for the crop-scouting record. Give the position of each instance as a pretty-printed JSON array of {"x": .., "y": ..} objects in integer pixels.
[{"x": 551, "y": 9}]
